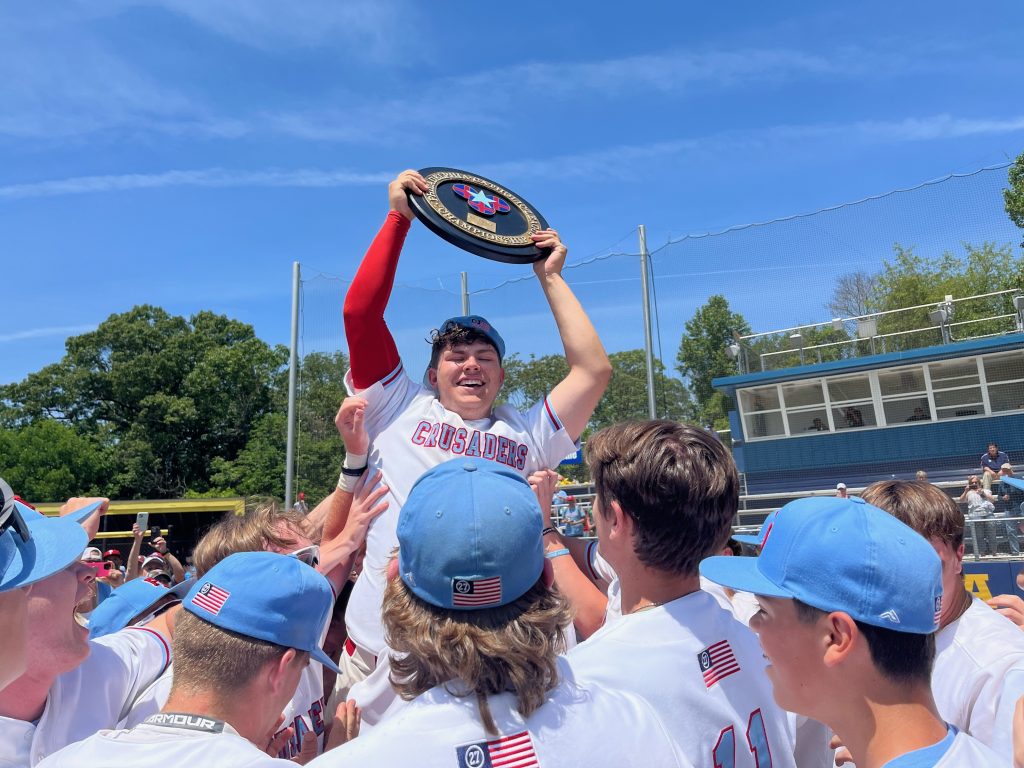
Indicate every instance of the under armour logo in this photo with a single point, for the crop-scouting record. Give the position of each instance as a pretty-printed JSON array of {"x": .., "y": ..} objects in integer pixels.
[{"x": 891, "y": 615}]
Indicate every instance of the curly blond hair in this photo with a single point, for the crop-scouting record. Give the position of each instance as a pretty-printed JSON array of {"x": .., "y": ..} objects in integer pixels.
[{"x": 512, "y": 648}]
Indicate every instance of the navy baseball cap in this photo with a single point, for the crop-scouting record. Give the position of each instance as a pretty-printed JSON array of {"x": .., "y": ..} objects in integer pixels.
[
  {"x": 757, "y": 540},
  {"x": 128, "y": 601},
  {"x": 54, "y": 543},
  {"x": 842, "y": 555},
  {"x": 478, "y": 324},
  {"x": 266, "y": 596},
  {"x": 469, "y": 536}
]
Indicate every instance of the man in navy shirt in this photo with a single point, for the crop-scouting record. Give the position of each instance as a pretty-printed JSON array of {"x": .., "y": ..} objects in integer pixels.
[{"x": 991, "y": 461}]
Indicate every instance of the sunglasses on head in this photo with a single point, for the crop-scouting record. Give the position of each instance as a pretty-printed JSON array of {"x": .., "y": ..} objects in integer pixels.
[
  {"x": 10, "y": 517},
  {"x": 309, "y": 555}
]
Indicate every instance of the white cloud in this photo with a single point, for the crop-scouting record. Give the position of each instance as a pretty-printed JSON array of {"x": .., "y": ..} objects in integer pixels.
[
  {"x": 40, "y": 333},
  {"x": 208, "y": 177}
]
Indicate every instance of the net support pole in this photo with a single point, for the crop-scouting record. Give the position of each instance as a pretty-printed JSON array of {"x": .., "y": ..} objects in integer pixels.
[
  {"x": 648, "y": 345},
  {"x": 465, "y": 292},
  {"x": 293, "y": 378}
]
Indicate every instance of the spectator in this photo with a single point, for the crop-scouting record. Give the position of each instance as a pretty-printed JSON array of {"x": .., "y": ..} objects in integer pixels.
[
  {"x": 853, "y": 417},
  {"x": 113, "y": 556},
  {"x": 249, "y": 629},
  {"x": 475, "y": 630},
  {"x": 1011, "y": 504},
  {"x": 919, "y": 415},
  {"x": 300, "y": 504},
  {"x": 921, "y": 476},
  {"x": 854, "y": 650},
  {"x": 991, "y": 461},
  {"x": 572, "y": 517},
  {"x": 980, "y": 508},
  {"x": 818, "y": 426},
  {"x": 979, "y": 668},
  {"x": 841, "y": 491}
]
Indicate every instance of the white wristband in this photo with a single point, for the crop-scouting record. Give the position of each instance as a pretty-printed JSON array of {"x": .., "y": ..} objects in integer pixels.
[{"x": 351, "y": 470}]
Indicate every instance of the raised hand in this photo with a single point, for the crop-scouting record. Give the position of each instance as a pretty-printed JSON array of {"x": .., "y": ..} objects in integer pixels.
[
  {"x": 552, "y": 264},
  {"x": 349, "y": 421},
  {"x": 407, "y": 181}
]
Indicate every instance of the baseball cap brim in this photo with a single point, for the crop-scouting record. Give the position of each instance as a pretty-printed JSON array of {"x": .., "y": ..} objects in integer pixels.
[
  {"x": 753, "y": 540},
  {"x": 741, "y": 574},
  {"x": 114, "y": 613},
  {"x": 320, "y": 655},
  {"x": 55, "y": 544}
]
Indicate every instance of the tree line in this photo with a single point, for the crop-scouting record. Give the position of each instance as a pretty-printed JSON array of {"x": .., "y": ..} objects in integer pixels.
[{"x": 153, "y": 405}]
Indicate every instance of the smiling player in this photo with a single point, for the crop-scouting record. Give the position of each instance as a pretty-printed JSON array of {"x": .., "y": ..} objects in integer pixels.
[{"x": 414, "y": 427}]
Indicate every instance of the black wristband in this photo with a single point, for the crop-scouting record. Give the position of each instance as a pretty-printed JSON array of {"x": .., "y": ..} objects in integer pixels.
[
  {"x": 349, "y": 472},
  {"x": 546, "y": 531}
]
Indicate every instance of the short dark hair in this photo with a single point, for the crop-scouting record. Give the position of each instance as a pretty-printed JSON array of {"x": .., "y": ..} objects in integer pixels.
[
  {"x": 901, "y": 657},
  {"x": 455, "y": 334},
  {"x": 994, "y": 445},
  {"x": 677, "y": 482},
  {"x": 927, "y": 509}
]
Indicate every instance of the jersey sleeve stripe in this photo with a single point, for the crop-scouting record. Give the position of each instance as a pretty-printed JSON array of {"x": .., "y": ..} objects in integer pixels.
[
  {"x": 591, "y": 548},
  {"x": 391, "y": 377},
  {"x": 163, "y": 643},
  {"x": 551, "y": 415}
]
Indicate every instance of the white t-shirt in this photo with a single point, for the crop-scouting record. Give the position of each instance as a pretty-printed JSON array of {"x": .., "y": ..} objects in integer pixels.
[
  {"x": 702, "y": 671},
  {"x": 584, "y": 726},
  {"x": 158, "y": 745},
  {"x": 411, "y": 432},
  {"x": 93, "y": 696},
  {"x": 979, "y": 675}
]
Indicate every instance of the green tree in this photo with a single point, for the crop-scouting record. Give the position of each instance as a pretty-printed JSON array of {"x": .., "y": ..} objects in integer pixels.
[
  {"x": 50, "y": 461},
  {"x": 626, "y": 396},
  {"x": 909, "y": 280},
  {"x": 163, "y": 395},
  {"x": 702, "y": 357},
  {"x": 1013, "y": 196}
]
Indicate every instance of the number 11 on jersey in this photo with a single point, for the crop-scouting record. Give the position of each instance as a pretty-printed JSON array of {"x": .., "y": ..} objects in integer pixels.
[{"x": 724, "y": 753}]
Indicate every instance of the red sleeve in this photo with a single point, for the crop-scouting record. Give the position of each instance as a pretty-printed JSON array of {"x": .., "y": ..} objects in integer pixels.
[{"x": 371, "y": 350}]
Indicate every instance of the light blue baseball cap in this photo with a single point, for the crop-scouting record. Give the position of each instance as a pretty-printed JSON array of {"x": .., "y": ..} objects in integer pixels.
[
  {"x": 842, "y": 555},
  {"x": 266, "y": 596},
  {"x": 128, "y": 601},
  {"x": 469, "y": 536},
  {"x": 478, "y": 324},
  {"x": 54, "y": 543},
  {"x": 757, "y": 540}
]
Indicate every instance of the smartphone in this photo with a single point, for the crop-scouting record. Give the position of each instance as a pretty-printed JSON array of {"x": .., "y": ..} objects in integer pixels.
[
  {"x": 102, "y": 569},
  {"x": 142, "y": 520}
]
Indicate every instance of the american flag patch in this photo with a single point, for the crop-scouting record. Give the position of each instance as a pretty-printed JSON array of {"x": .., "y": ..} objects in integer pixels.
[
  {"x": 514, "y": 751},
  {"x": 717, "y": 662},
  {"x": 476, "y": 593},
  {"x": 211, "y": 598},
  {"x": 938, "y": 608}
]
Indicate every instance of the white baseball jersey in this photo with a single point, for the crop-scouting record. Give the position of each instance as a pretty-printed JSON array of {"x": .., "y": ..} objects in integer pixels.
[
  {"x": 194, "y": 741},
  {"x": 702, "y": 671},
  {"x": 305, "y": 711},
  {"x": 575, "y": 726},
  {"x": 956, "y": 750},
  {"x": 93, "y": 696},
  {"x": 979, "y": 675},
  {"x": 600, "y": 570},
  {"x": 410, "y": 432}
]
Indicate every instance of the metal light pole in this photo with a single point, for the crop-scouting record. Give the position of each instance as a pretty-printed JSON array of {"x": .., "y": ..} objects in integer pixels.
[
  {"x": 648, "y": 347},
  {"x": 465, "y": 292},
  {"x": 293, "y": 378}
]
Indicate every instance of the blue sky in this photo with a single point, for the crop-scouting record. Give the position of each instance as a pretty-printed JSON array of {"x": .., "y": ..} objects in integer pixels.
[{"x": 185, "y": 152}]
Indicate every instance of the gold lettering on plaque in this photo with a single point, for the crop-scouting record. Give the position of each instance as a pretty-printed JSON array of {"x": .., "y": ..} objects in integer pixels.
[{"x": 490, "y": 226}]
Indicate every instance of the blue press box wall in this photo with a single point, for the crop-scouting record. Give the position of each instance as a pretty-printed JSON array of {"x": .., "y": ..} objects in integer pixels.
[{"x": 864, "y": 456}]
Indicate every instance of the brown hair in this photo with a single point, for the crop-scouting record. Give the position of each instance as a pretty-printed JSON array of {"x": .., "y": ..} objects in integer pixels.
[
  {"x": 677, "y": 482},
  {"x": 512, "y": 648},
  {"x": 922, "y": 506},
  {"x": 259, "y": 528},
  {"x": 456, "y": 334},
  {"x": 210, "y": 659}
]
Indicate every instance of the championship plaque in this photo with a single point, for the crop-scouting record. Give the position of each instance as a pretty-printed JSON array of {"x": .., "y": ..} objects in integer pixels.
[{"x": 479, "y": 216}]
